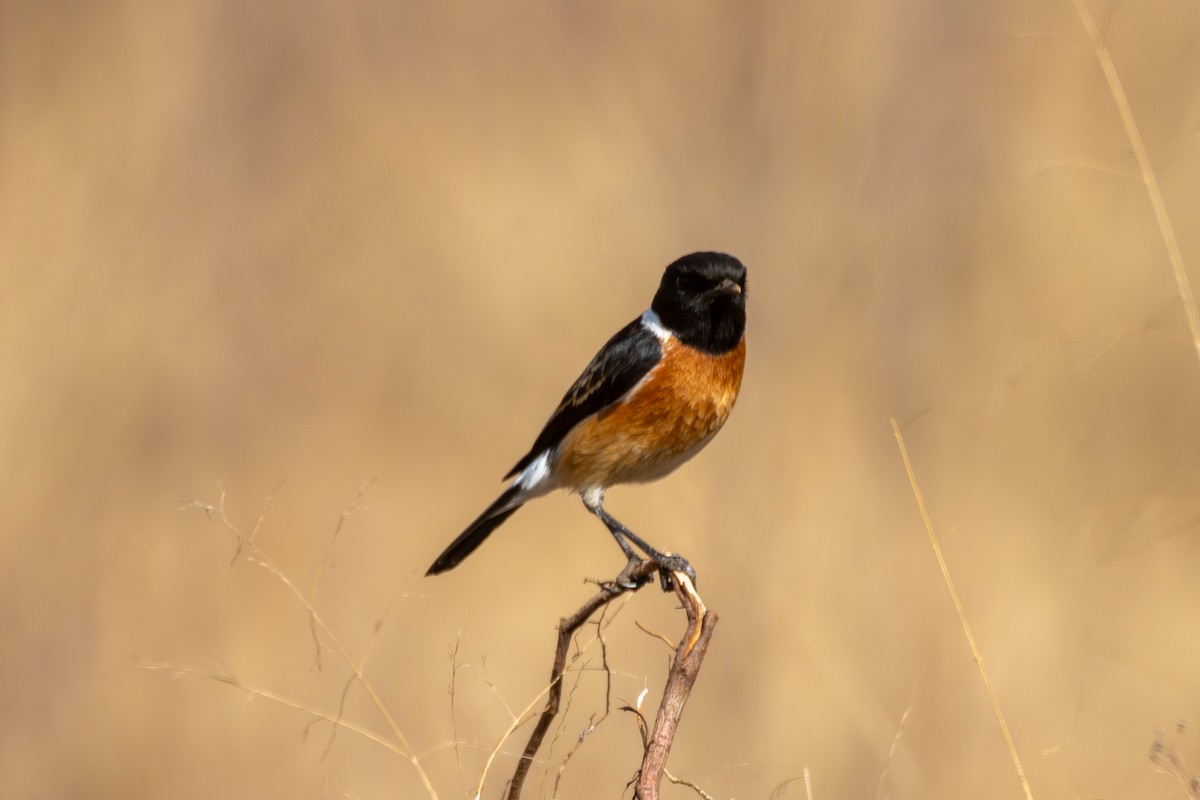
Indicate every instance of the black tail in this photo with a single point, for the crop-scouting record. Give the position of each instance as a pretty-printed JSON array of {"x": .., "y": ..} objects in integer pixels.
[{"x": 476, "y": 532}]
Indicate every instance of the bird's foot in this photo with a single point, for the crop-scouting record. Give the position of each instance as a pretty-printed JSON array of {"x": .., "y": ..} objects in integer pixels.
[
  {"x": 671, "y": 564},
  {"x": 625, "y": 580}
]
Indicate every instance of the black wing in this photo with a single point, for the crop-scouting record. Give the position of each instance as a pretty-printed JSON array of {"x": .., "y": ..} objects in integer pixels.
[{"x": 621, "y": 363}]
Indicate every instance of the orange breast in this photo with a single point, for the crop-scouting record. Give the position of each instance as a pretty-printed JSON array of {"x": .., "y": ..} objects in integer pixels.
[{"x": 675, "y": 412}]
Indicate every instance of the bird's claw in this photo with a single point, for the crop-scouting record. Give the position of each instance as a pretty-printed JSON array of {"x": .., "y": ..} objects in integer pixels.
[
  {"x": 667, "y": 565},
  {"x": 625, "y": 580}
]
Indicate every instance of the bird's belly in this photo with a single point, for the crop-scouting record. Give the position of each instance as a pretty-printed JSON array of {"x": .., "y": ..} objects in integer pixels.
[{"x": 665, "y": 421}]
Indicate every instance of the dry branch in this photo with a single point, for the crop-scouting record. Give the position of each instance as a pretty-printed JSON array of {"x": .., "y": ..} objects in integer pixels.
[
  {"x": 684, "y": 669},
  {"x": 688, "y": 656}
]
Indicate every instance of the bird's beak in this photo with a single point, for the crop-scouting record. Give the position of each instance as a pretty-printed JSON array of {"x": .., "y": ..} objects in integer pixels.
[{"x": 727, "y": 287}]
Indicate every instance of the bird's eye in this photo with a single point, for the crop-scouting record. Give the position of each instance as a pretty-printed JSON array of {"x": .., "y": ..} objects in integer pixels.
[{"x": 684, "y": 282}]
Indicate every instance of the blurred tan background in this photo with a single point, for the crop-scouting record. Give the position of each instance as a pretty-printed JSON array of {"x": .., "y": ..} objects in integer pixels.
[{"x": 323, "y": 243}]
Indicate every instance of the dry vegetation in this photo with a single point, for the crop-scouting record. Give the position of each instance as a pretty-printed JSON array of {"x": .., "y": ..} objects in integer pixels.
[{"x": 246, "y": 242}]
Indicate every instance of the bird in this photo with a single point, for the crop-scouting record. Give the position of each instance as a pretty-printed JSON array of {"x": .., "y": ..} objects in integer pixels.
[{"x": 653, "y": 396}]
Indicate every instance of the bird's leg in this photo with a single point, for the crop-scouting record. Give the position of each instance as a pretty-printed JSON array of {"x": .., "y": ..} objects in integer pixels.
[
  {"x": 635, "y": 560},
  {"x": 665, "y": 562},
  {"x": 593, "y": 500}
]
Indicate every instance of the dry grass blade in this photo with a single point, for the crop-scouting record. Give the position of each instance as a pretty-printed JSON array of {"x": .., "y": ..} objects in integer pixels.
[
  {"x": 1165, "y": 228},
  {"x": 355, "y": 505},
  {"x": 455, "y": 666},
  {"x": 1091, "y": 164},
  {"x": 962, "y": 616},
  {"x": 221, "y": 677},
  {"x": 891, "y": 754},
  {"x": 248, "y": 550}
]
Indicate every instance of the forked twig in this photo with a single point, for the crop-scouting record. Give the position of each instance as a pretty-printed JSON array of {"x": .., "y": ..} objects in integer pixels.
[
  {"x": 567, "y": 627},
  {"x": 594, "y": 722},
  {"x": 682, "y": 676}
]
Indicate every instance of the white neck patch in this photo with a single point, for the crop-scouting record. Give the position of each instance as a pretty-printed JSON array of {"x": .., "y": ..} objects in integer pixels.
[{"x": 652, "y": 323}]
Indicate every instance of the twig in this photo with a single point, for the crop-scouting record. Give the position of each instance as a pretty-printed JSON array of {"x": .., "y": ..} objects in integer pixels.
[
  {"x": 688, "y": 657},
  {"x": 593, "y": 721},
  {"x": 1165, "y": 229},
  {"x": 962, "y": 616},
  {"x": 685, "y": 782},
  {"x": 661, "y": 637},
  {"x": 566, "y": 630}
]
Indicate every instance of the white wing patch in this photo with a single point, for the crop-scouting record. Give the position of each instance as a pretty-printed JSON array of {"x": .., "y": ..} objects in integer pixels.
[
  {"x": 536, "y": 479},
  {"x": 533, "y": 476}
]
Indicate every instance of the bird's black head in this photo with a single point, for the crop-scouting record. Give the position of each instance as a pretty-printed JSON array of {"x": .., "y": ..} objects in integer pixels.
[{"x": 702, "y": 300}]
